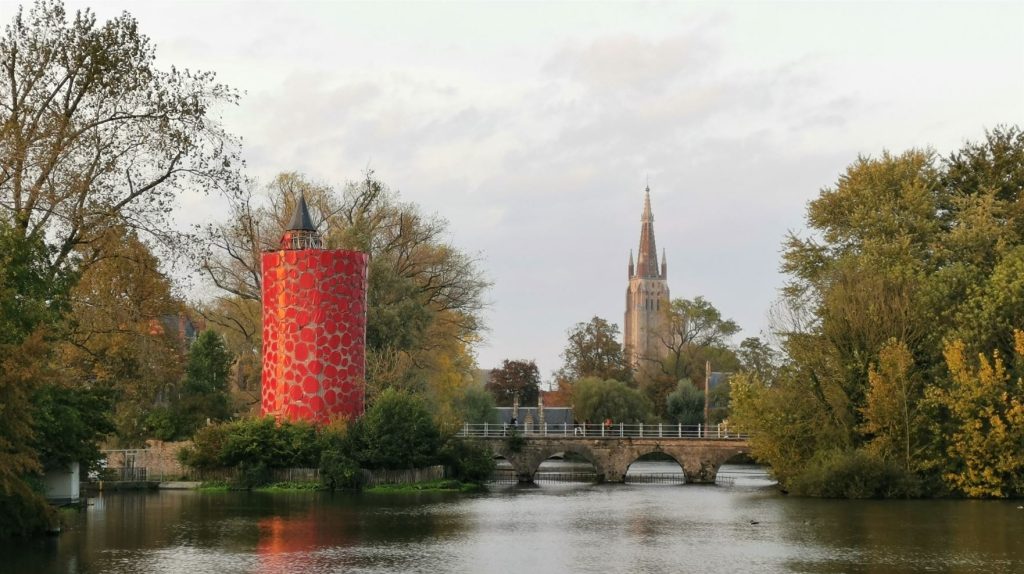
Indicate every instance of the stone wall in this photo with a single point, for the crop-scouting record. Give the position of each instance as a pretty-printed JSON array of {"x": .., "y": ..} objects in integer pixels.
[{"x": 159, "y": 458}]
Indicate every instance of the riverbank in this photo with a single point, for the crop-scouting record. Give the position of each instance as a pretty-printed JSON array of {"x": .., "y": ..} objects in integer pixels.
[{"x": 444, "y": 485}]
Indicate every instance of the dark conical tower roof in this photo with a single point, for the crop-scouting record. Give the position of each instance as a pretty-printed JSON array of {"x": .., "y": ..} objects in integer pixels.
[
  {"x": 301, "y": 221},
  {"x": 301, "y": 233}
]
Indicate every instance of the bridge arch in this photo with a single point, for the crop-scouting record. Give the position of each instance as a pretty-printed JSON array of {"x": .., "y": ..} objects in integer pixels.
[
  {"x": 536, "y": 457},
  {"x": 528, "y": 459},
  {"x": 701, "y": 465},
  {"x": 645, "y": 454}
]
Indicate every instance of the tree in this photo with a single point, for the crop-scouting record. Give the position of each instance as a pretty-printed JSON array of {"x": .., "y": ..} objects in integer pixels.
[
  {"x": 515, "y": 377},
  {"x": 786, "y": 424},
  {"x": 692, "y": 326},
  {"x": 204, "y": 393},
  {"x": 696, "y": 334},
  {"x": 22, "y": 509},
  {"x": 891, "y": 406},
  {"x": 986, "y": 413},
  {"x": 593, "y": 350},
  {"x": 597, "y": 400},
  {"x": 878, "y": 225},
  {"x": 686, "y": 404},
  {"x": 757, "y": 357},
  {"x": 477, "y": 406},
  {"x": 425, "y": 295},
  {"x": 238, "y": 321},
  {"x": 31, "y": 309},
  {"x": 69, "y": 423},
  {"x": 96, "y": 143},
  {"x": 908, "y": 252},
  {"x": 95, "y": 135},
  {"x": 125, "y": 331},
  {"x": 397, "y": 431}
]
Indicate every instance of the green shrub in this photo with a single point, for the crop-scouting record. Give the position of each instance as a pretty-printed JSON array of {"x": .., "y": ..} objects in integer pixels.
[
  {"x": 162, "y": 423},
  {"x": 207, "y": 448},
  {"x": 254, "y": 442},
  {"x": 339, "y": 470},
  {"x": 471, "y": 462},
  {"x": 253, "y": 474},
  {"x": 853, "y": 474},
  {"x": 397, "y": 431}
]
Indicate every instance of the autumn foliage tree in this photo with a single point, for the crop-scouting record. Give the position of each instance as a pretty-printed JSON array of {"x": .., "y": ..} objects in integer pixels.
[
  {"x": 425, "y": 295},
  {"x": 124, "y": 334},
  {"x": 984, "y": 403},
  {"x": 593, "y": 350},
  {"x": 915, "y": 263},
  {"x": 96, "y": 135},
  {"x": 512, "y": 378},
  {"x": 695, "y": 330},
  {"x": 892, "y": 420},
  {"x": 97, "y": 142}
]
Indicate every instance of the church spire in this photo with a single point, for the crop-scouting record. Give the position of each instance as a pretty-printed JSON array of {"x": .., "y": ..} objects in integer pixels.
[
  {"x": 647, "y": 257},
  {"x": 631, "y": 267},
  {"x": 664, "y": 264}
]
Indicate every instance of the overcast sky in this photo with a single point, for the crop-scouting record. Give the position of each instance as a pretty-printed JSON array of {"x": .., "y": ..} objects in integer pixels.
[{"x": 533, "y": 127}]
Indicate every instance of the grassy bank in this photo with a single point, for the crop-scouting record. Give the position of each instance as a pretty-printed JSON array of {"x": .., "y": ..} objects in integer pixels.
[
  {"x": 222, "y": 486},
  {"x": 444, "y": 485}
]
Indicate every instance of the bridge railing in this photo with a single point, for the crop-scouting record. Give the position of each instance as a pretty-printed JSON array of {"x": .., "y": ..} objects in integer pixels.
[{"x": 606, "y": 431}]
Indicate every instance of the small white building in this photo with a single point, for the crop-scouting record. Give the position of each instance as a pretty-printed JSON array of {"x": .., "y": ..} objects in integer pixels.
[{"x": 62, "y": 484}]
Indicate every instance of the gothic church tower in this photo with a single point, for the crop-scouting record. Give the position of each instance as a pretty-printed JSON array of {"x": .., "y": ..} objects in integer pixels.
[{"x": 647, "y": 297}]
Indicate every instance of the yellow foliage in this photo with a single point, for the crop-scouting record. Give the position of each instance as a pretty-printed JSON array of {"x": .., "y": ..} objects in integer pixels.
[
  {"x": 784, "y": 421},
  {"x": 987, "y": 416},
  {"x": 449, "y": 370},
  {"x": 891, "y": 404}
]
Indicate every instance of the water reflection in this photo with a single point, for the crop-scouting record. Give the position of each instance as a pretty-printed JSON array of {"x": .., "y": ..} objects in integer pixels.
[{"x": 557, "y": 527}]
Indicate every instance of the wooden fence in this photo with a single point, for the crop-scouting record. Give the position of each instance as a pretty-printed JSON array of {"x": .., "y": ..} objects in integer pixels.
[
  {"x": 276, "y": 474},
  {"x": 404, "y": 476},
  {"x": 368, "y": 477}
]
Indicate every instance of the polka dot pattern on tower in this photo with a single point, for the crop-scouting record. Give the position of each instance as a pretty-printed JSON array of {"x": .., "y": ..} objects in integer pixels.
[{"x": 314, "y": 333}]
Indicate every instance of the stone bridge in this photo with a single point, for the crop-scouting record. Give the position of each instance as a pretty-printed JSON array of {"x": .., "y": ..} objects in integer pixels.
[{"x": 611, "y": 456}]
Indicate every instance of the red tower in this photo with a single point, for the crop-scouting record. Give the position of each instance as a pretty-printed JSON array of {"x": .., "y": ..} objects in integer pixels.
[{"x": 314, "y": 327}]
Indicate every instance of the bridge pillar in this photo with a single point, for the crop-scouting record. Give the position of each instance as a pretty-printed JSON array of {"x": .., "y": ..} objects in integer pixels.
[
  {"x": 700, "y": 471},
  {"x": 615, "y": 475}
]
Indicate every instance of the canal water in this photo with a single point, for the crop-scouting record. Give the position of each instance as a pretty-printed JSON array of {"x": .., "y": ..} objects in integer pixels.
[{"x": 739, "y": 526}]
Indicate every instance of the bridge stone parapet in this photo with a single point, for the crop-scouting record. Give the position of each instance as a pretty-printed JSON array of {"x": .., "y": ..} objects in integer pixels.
[{"x": 611, "y": 457}]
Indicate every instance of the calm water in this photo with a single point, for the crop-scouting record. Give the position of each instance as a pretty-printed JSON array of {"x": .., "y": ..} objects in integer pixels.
[{"x": 553, "y": 528}]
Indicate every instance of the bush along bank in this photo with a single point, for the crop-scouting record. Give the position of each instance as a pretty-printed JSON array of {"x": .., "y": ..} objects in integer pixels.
[{"x": 397, "y": 432}]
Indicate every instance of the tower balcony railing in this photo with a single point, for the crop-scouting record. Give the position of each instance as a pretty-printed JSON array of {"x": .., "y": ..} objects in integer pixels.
[{"x": 602, "y": 431}]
